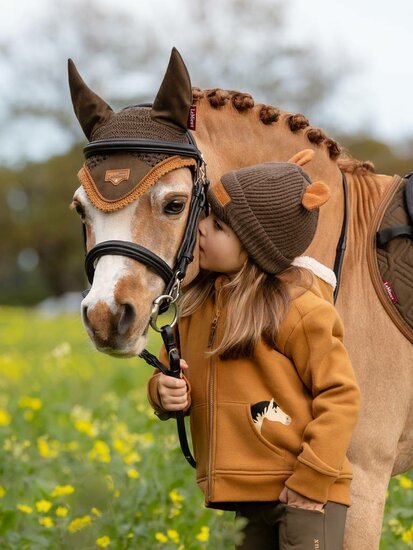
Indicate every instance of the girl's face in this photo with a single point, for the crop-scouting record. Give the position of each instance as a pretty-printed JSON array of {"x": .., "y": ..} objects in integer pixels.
[{"x": 219, "y": 247}]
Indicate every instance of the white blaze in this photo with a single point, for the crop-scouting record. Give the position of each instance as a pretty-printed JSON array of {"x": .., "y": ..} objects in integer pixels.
[{"x": 109, "y": 269}]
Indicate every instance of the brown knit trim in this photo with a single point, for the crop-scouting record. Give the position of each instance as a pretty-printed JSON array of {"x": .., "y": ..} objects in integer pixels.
[
  {"x": 220, "y": 194},
  {"x": 159, "y": 170}
]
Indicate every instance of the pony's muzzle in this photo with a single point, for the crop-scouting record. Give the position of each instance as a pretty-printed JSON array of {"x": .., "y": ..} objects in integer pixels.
[{"x": 104, "y": 326}]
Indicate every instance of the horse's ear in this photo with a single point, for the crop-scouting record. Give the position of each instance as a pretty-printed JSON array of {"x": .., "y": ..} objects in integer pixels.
[
  {"x": 91, "y": 111},
  {"x": 302, "y": 157},
  {"x": 174, "y": 98},
  {"x": 315, "y": 195}
]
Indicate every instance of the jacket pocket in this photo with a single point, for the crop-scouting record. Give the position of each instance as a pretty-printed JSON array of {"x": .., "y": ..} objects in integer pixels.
[{"x": 239, "y": 446}]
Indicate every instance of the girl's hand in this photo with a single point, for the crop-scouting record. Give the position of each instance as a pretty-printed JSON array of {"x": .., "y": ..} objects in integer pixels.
[
  {"x": 173, "y": 392},
  {"x": 290, "y": 497}
]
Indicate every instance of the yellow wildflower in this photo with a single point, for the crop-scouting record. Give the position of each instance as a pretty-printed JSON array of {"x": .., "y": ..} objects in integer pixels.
[
  {"x": 47, "y": 450},
  {"x": 407, "y": 536},
  {"x": 24, "y": 508},
  {"x": 46, "y": 522},
  {"x": 173, "y": 535},
  {"x": 5, "y": 417},
  {"x": 103, "y": 541},
  {"x": 2, "y": 491},
  {"x": 203, "y": 535},
  {"x": 405, "y": 482},
  {"x": 120, "y": 446},
  {"x": 132, "y": 473},
  {"x": 175, "y": 512},
  {"x": 100, "y": 451},
  {"x": 132, "y": 457},
  {"x": 160, "y": 537},
  {"x": 176, "y": 497},
  {"x": 33, "y": 403},
  {"x": 79, "y": 523},
  {"x": 62, "y": 511},
  {"x": 43, "y": 505},
  {"x": 62, "y": 490},
  {"x": 86, "y": 427},
  {"x": 96, "y": 512}
]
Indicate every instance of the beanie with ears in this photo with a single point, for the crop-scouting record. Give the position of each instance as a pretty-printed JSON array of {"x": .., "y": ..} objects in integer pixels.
[{"x": 273, "y": 210}]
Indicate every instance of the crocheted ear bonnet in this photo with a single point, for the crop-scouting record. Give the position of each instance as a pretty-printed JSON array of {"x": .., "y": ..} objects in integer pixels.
[
  {"x": 115, "y": 180},
  {"x": 273, "y": 210}
]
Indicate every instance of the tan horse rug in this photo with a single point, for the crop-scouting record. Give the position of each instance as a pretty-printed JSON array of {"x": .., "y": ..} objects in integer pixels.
[{"x": 390, "y": 255}]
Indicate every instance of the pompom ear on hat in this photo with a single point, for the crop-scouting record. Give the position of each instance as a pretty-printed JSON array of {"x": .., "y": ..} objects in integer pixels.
[{"x": 315, "y": 195}]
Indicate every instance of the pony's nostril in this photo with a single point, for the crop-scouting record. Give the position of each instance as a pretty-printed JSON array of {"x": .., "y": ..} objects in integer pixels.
[
  {"x": 85, "y": 317},
  {"x": 127, "y": 318}
]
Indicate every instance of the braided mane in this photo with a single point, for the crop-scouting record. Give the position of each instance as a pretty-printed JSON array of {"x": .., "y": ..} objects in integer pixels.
[{"x": 268, "y": 114}]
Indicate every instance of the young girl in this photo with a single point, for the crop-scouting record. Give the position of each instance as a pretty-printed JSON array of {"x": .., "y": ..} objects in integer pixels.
[{"x": 268, "y": 383}]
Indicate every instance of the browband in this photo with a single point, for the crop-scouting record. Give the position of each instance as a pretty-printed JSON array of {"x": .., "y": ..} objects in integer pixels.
[{"x": 122, "y": 145}]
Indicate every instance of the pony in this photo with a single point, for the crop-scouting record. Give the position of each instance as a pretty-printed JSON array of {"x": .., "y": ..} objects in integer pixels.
[
  {"x": 232, "y": 130},
  {"x": 269, "y": 410}
]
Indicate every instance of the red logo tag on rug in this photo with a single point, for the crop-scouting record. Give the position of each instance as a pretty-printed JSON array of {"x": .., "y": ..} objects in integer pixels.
[
  {"x": 390, "y": 291},
  {"x": 192, "y": 118}
]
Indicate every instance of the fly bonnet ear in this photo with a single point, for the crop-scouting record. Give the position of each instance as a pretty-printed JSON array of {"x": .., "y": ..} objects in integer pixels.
[
  {"x": 315, "y": 195},
  {"x": 174, "y": 98},
  {"x": 91, "y": 111}
]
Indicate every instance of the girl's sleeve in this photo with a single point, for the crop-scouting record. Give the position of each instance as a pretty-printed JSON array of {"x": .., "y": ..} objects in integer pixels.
[{"x": 315, "y": 345}]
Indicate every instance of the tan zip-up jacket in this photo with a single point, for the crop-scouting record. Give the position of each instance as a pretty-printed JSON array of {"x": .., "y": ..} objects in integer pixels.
[{"x": 247, "y": 446}]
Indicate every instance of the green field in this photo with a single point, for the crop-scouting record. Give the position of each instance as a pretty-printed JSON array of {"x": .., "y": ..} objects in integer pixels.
[{"x": 84, "y": 462}]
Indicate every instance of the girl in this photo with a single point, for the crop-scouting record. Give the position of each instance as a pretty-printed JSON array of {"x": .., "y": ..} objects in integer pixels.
[{"x": 270, "y": 389}]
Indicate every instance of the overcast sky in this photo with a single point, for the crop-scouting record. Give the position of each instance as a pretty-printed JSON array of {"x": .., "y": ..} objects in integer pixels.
[
  {"x": 373, "y": 35},
  {"x": 377, "y": 35}
]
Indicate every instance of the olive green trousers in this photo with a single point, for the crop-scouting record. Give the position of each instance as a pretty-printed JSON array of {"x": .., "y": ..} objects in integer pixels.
[{"x": 276, "y": 526}]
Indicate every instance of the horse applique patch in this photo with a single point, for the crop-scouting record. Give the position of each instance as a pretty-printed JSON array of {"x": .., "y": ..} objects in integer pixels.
[{"x": 269, "y": 410}]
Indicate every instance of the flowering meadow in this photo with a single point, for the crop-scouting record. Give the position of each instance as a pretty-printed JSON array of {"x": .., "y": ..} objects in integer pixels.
[{"x": 85, "y": 464}]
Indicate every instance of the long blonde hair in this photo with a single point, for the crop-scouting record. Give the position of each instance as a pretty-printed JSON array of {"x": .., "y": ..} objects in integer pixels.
[{"x": 255, "y": 304}]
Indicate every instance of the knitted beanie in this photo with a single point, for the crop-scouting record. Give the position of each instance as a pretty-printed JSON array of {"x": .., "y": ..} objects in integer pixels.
[{"x": 273, "y": 210}]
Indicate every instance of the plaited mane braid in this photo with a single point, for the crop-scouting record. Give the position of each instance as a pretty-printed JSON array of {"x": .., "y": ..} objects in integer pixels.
[{"x": 268, "y": 115}]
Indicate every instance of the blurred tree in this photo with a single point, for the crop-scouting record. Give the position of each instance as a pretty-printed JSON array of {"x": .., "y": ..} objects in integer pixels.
[
  {"x": 122, "y": 50},
  {"x": 385, "y": 158},
  {"x": 41, "y": 248}
]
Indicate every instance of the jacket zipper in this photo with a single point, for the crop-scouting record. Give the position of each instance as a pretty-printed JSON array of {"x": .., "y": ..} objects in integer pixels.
[
  {"x": 211, "y": 340},
  {"x": 213, "y": 331}
]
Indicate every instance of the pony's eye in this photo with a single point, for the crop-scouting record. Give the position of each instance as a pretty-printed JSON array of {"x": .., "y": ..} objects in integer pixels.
[{"x": 174, "y": 207}]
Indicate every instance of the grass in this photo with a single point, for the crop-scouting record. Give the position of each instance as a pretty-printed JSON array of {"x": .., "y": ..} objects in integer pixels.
[{"x": 84, "y": 462}]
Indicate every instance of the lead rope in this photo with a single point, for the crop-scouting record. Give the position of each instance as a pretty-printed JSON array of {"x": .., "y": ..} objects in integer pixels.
[{"x": 342, "y": 242}]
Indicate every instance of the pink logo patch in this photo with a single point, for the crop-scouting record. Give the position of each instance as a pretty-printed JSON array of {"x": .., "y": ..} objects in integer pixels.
[
  {"x": 192, "y": 118},
  {"x": 390, "y": 291}
]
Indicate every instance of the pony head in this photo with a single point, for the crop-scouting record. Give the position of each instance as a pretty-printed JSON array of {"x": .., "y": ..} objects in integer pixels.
[{"x": 132, "y": 196}]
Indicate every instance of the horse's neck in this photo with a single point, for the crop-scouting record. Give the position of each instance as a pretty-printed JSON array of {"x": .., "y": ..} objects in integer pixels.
[
  {"x": 365, "y": 192},
  {"x": 230, "y": 139}
]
